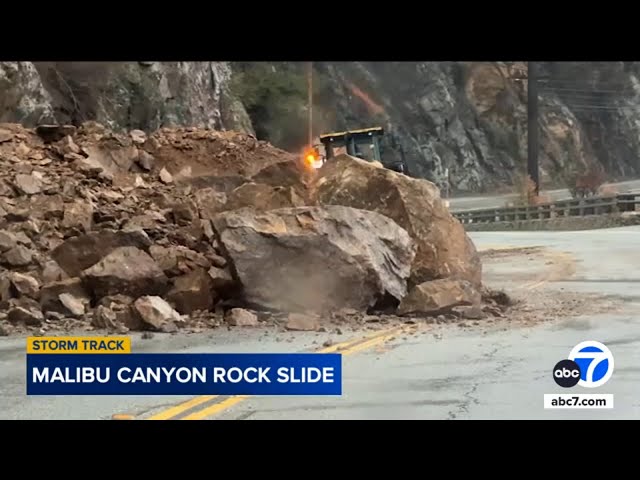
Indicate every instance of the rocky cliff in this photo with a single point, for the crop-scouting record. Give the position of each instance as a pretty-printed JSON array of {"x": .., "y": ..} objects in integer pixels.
[{"x": 469, "y": 119}]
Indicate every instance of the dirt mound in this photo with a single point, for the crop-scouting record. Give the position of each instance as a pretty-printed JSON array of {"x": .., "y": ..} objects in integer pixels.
[{"x": 198, "y": 152}]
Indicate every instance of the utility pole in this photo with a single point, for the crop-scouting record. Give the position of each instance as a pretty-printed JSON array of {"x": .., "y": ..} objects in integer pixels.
[
  {"x": 310, "y": 100},
  {"x": 532, "y": 126}
]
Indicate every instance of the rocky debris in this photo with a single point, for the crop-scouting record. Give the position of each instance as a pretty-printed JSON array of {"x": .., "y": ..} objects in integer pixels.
[
  {"x": 239, "y": 317},
  {"x": 28, "y": 184},
  {"x": 157, "y": 314},
  {"x": 221, "y": 281},
  {"x": 72, "y": 303},
  {"x": 316, "y": 259},
  {"x": 126, "y": 269},
  {"x": 165, "y": 176},
  {"x": 210, "y": 202},
  {"x": 18, "y": 256},
  {"x": 193, "y": 291},
  {"x": 26, "y": 315},
  {"x": 71, "y": 290},
  {"x": 302, "y": 322},
  {"x": 438, "y": 296},
  {"x": 471, "y": 312},
  {"x": 177, "y": 260},
  {"x": 24, "y": 284},
  {"x": 78, "y": 215},
  {"x": 5, "y": 135},
  {"x": 443, "y": 249},
  {"x": 84, "y": 251}
]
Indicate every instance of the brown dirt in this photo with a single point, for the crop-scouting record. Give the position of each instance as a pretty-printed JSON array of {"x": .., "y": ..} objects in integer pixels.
[{"x": 209, "y": 152}]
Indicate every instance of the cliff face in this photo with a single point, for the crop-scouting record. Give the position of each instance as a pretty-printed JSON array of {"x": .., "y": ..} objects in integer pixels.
[
  {"x": 126, "y": 95},
  {"x": 469, "y": 119}
]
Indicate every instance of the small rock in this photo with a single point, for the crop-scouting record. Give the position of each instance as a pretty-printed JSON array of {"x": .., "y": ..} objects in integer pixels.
[
  {"x": 78, "y": 214},
  {"x": 74, "y": 304},
  {"x": 27, "y": 316},
  {"x": 8, "y": 240},
  {"x": 165, "y": 176},
  {"x": 192, "y": 292},
  {"x": 301, "y": 322},
  {"x": 145, "y": 161},
  {"x": 50, "y": 294},
  {"x": 5, "y": 135},
  {"x": 239, "y": 317},
  {"x": 327, "y": 343},
  {"x": 24, "y": 284},
  {"x": 104, "y": 317},
  {"x": 18, "y": 256},
  {"x": 371, "y": 318},
  {"x": 17, "y": 215},
  {"x": 5, "y": 330},
  {"x": 462, "y": 324},
  {"x": 69, "y": 146},
  {"x": 28, "y": 184},
  {"x": 338, "y": 331},
  {"x": 54, "y": 316},
  {"x": 52, "y": 272},
  {"x": 138, "y": 136},
  {"x": 147, "y": 335},
  {"x": 22, "y": 149},
  {"x": 221, "y": 280},
  {"x": 217, "y": 260},
  {"x": 156, "y": 313}
]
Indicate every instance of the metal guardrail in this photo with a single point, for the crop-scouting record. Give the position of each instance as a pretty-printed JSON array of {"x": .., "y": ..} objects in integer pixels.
[{"x": 628, "y": 202}]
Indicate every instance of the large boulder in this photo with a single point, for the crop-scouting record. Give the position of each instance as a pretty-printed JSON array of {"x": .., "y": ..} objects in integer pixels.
[
  {"x": 315, "y": 258},
  {"x": 443, "y": 248},
  {"x": 81, "y": 252},
  {"x": 126, "y": 270}
]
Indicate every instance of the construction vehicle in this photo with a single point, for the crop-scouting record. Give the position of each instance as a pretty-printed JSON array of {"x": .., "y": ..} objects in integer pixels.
[{"x": 366, "y": 144}]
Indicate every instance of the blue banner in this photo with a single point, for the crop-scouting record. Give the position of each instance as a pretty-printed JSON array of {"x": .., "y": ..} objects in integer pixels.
[{"x": 185, "y": 374}]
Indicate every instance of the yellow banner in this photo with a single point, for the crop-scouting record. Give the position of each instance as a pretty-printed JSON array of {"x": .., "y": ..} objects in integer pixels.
[{"x": 78, "y": 345}]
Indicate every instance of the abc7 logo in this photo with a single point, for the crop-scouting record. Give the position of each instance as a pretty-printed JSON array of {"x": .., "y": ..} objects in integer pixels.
[{"x": 590, "y": 364}]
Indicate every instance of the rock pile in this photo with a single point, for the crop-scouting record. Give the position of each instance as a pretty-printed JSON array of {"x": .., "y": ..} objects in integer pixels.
[{"x": 181, "y": 228}]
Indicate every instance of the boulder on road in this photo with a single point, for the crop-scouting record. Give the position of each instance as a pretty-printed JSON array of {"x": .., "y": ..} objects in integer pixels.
[
  {"x": 314, "y": 258},
  {"x": 239, "y": 317},
  {"x": 444, "y": 250},
  {"x": 156, "y": 314},
  {"x": 125, "y": 270},
  {"x": 439, "y": 296}
]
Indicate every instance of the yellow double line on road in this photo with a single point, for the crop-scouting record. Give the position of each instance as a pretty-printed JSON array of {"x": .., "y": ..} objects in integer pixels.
[{"x": 345, "y": 348}]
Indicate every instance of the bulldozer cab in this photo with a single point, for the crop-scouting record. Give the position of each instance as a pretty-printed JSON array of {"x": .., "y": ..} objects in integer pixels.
[{"x": 366, "y": 144}]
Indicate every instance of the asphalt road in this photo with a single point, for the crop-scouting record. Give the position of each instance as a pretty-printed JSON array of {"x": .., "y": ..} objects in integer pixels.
[
  {"x": 498, "y": 201},
  {"x": 440, "y": 372}
]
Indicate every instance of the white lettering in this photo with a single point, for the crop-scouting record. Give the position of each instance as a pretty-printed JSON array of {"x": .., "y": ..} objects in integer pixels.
[
  {"x": 41, "y": 376},
  {"x": 305, "y": 375},
  {"x": 162, "y": 375},
  {"x": 237, "y": 375},
  {"x": 71, "y": 375}
]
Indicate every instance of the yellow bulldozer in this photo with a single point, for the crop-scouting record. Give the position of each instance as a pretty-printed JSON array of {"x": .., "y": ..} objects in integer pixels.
[{"x": 366, "y": 144}]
